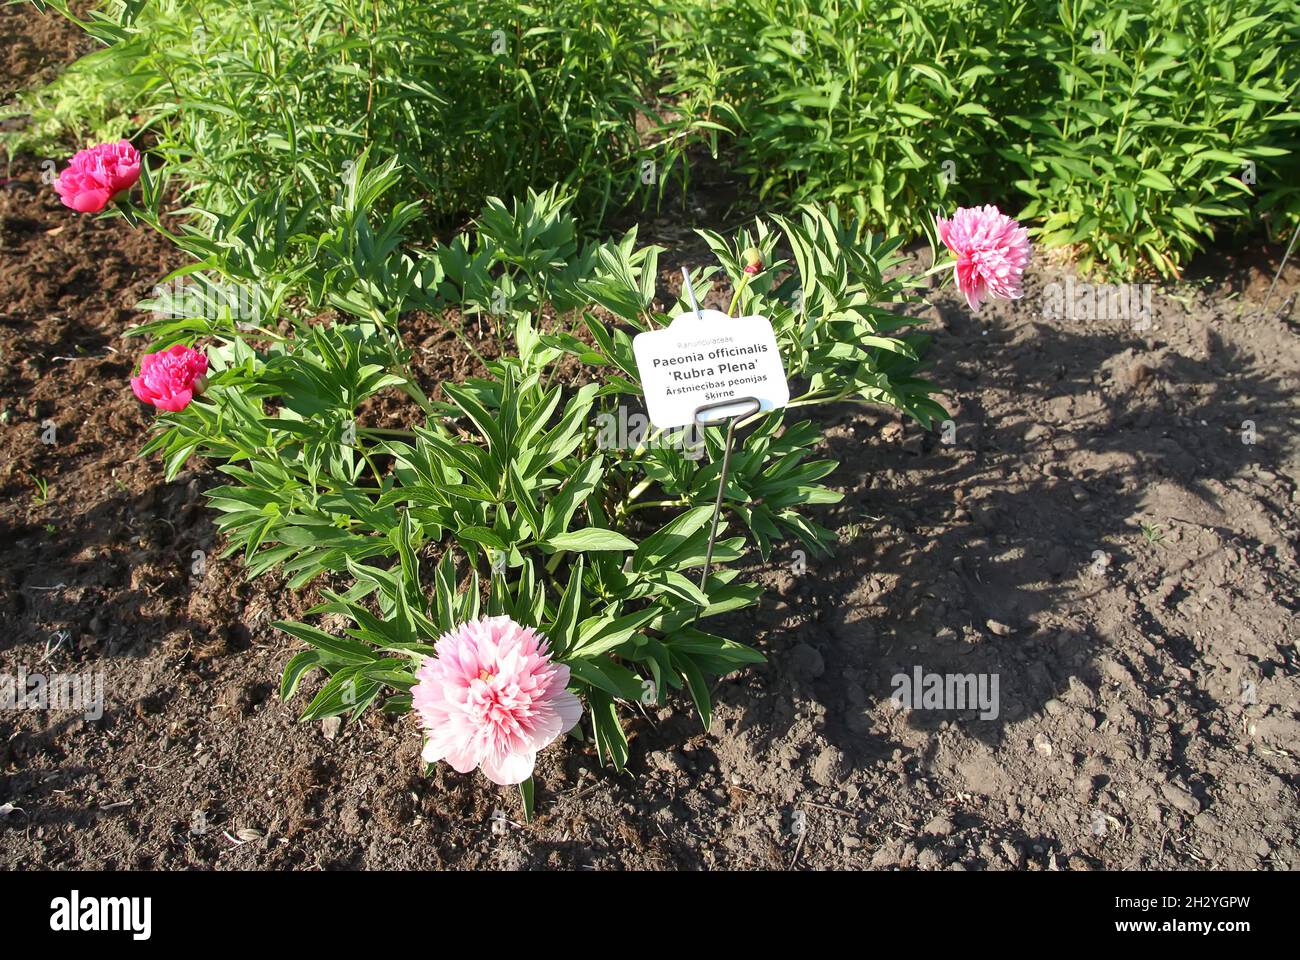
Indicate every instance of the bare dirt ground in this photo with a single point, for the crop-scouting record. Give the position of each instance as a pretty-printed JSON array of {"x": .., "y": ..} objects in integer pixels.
[{"x": 1100, "y": 534}]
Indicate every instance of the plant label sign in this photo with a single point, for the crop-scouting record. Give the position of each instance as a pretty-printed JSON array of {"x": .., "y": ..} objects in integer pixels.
[{"x": 707, "y": 358}]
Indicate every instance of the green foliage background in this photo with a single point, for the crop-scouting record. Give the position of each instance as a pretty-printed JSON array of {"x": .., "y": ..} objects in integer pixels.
[{"x": 1130, "y": 131}]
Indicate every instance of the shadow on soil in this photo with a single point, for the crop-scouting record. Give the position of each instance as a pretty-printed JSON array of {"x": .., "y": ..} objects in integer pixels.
[{"x": 991, "y": 537}]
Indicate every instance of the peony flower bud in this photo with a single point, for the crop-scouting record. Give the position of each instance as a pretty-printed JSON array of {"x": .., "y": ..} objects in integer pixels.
[{"x": 753, "y": 260}]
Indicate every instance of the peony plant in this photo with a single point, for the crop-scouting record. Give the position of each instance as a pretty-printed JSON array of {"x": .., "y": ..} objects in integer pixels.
[{"x": 515, "y": 575}]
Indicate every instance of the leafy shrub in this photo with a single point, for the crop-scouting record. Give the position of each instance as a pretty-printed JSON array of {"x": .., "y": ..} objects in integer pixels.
[
  {"x": 505, "y": 496},
  {"x": 472, "y": 101},
  {"x": 1168, "y": 114},
  {"x": 1128, "y": 129},
  {"x": 861, "y": 103},
  {"x": 82, "y": 104}
]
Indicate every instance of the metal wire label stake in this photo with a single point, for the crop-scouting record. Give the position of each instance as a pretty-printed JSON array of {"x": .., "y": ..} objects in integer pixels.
[
  {"x": 707, "y": 368},
  {"x": 749, "y": 406}
]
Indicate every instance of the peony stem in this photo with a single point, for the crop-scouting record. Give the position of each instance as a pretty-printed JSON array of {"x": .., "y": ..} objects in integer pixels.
[{"x": 526, "y": 794}]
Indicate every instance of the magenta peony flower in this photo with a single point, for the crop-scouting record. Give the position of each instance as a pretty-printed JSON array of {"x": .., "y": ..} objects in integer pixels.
[
  {"x": 491, "y": 697},
  {"x": 992, "y": 250},
  {"x": 97, "y": 175},
  {"x": 169, "y": 378}
]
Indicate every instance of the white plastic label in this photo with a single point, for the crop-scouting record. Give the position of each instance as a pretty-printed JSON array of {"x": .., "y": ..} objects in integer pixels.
[{"x": 707, "y": 359}]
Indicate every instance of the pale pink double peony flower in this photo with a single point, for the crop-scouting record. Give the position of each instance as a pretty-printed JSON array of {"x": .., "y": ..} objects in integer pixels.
[
  {"x": 992, "y": 250},
  {"x": 97, "y": 175},
  {"x": 169, "y": 378},
  {"x": 491, "y": 698}
]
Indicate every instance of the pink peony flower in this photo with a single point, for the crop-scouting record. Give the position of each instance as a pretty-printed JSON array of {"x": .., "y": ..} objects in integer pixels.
[
  {"x": 992, "y": 250},
  {"x": 491, "y": 697},
  {"x": 169, "y": 378},
  {"x": 98, "y": 175}
]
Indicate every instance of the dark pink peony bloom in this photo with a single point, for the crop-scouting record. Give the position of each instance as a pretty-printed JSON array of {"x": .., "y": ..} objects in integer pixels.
[
  {"x": 97, "y": 175},
  {"x": 170, "y": 378}
]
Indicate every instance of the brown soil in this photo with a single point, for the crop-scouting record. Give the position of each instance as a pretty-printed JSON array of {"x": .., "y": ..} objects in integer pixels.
[
  {"x": 1148, "y": 680},
  {"x": 36, "y": 46}
]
